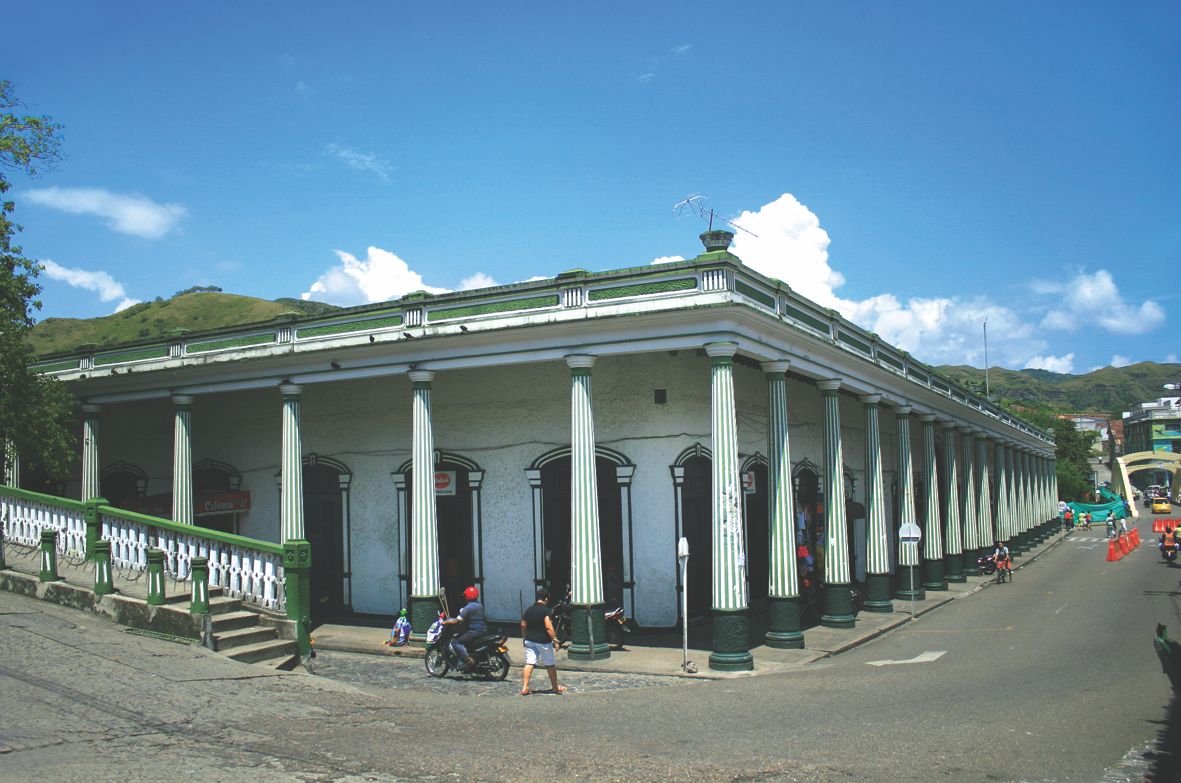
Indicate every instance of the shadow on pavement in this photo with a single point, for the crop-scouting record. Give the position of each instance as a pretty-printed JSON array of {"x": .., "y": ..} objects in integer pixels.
[{"x": 1165, "y": 759}]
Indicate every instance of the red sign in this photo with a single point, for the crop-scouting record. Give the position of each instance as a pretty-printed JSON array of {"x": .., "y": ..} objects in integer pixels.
[
  {"x": 444, "y": 482},
  {"x": 223, "y": 503}
]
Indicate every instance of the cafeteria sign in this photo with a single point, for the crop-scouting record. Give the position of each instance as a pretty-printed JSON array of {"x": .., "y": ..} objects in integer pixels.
[{"x": 444, "y": 482}]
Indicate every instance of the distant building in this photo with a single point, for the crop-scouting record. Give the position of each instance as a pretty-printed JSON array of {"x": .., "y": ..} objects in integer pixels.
[{"x": 1153, "y": 426}]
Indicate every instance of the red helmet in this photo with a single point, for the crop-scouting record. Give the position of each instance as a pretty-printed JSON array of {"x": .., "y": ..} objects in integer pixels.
[{"x": 471, "y": 593}]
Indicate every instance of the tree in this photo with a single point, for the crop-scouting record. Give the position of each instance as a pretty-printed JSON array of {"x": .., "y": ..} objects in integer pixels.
[{"x": 36, "y": 412}]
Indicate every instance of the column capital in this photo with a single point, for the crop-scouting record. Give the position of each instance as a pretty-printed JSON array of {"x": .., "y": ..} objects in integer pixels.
[
  {"x": 902, "y": 410},
  {"x": 966, "y": 431},
  {"x": 776, "y": 367},
  {"x": 950, "y": 426},
  {"x": 721, "y": 350},
  {"x": 829, "y": 384},
  {"x": 290, "y": 389},
  {"x": 927, "y": 418},
  {"x": 90, "y": 408},
  {"x": 580, "y": 361},
  {"x": 870, "y": 399},
  {"x": 979, "y": 434},
  {"x": 183, "y": 400},
  {"x": 421, "y": 376}
]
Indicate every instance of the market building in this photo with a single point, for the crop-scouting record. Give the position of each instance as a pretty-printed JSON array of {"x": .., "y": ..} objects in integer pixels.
[{"x": 570, "y": 431}]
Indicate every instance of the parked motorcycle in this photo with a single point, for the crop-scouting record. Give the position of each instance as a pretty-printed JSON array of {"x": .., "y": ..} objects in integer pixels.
[
  {"x": 987, "y": 566},
  {"x": 490, "y": 652},
  {"x": 615, "y": 623}
]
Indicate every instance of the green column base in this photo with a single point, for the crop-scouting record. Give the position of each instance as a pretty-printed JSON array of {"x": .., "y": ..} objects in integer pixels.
[
  {"x": 423, "y": 611},
  {"x": 933, "y": 575},
  {"x": 783, "y": 623},
  {"x": 970, "y": 558},
  {"x": 838, "y": 607},
  {"x": 581, "y": 647},
  {"x": 909, "y": 586},
  {"x": 877, "y": 594},
  {"x": 953, "y": 566},
  {"x": 731, "y": 651}
]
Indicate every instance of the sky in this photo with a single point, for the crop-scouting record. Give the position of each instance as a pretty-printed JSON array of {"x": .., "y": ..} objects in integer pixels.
[{"x": 922, "y": 167}]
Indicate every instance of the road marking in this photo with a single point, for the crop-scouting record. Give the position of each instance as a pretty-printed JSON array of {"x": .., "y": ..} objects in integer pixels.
[
  {"x": 1060, "y": 608},
  {"x": 926, "y": 657},
  {"x": 1088, "y": 547}
]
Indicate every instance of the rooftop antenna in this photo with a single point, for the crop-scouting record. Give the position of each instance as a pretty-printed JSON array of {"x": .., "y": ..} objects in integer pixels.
[{"x": 694, "y": 204}]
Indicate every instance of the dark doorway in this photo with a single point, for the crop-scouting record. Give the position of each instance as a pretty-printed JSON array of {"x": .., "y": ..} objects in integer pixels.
[
  {"x": 323, "y": 520},
  {"x": 453, "y": 512},
  {"x": 555, "y": 492},
  {"x": 122, "y": 486},
  {"x": 696, "y": 526},
  {"x": 212, "y": 479},
  {"x": 758, "y": 534}
]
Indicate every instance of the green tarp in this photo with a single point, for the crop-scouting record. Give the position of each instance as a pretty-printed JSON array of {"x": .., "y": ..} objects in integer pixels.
[{"x": 1111, "y": 502}]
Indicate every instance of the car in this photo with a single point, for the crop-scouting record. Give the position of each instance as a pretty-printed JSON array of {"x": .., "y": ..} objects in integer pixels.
[{"x": 1161, "y": 506}]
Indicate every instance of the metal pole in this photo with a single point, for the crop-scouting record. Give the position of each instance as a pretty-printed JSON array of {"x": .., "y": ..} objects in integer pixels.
[
  {"x": 912, "y": 590},
  {"x": 987, "y": 392},
  {"x": 684, "y": 613}
]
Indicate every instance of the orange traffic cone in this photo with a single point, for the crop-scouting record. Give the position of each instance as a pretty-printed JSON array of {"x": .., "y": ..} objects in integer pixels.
[
  {"x": 1123, "y": 543},
  {"x": 1135, "y": 537},
  {"x": 1112, "y": 553},
  {"x": 1158, "y": 526}
]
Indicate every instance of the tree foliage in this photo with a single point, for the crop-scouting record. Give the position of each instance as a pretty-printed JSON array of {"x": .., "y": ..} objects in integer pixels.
[{"x": 36, "y": 413}]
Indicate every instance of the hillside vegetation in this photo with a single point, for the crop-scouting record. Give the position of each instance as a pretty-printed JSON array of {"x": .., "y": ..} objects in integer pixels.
[{"x": 153, "y": 320}]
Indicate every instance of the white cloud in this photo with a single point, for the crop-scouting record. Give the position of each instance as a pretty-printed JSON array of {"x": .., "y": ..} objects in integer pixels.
[
  {"x": 107, "y": 288},
  {"x": 667, "y": 259},
  {"x": 1062, "y": 364},
  {"x": 1120, "y": 361},
  {"x": 361, "y": 161},
  {"x": 378, "y": 278},
  {"x": 478, "y": 280},
  {"x": 1099, "y": 298},
  {"x": 127, "y": 214},
  {"x": 1171, "y": 358}
]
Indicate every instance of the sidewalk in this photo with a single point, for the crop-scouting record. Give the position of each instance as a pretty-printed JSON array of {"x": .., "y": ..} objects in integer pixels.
[{"x": 661, "y": 659}]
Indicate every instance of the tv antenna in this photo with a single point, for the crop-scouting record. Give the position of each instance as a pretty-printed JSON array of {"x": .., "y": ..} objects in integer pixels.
[{"x": 709, "y": 215}]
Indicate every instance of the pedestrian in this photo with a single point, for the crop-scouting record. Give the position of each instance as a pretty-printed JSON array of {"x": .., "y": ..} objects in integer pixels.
[
  {"x": 1111, "y": 525},
  {"x": 1069, "y": 517},
  {"x": 540, "y": 640},
  {"x": 1088, "y": 520}
]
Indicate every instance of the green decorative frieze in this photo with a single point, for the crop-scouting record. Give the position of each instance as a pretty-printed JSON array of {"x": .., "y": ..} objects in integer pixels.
[
  {"x": 851, "y": 341},
  {"x": 754, "y": 293},
  {"x": 72, "y": 364},
  {"x": 891, "y": 360},
  {"x": 350, "y": 326},
  {"x": 230, "y": 342},
  {"x": 643, "y": 289},
  {"x": 489, "y": 308},
  {"x": 806, "y": 318},
  {"x": 156, "y": 352}
]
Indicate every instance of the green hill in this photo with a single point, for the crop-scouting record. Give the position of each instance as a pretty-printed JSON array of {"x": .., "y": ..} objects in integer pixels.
[{"x": 152, "y": 320}]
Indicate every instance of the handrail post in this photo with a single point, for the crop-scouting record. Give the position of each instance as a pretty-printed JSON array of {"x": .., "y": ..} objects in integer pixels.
[
  {"x": 94, "y": 526},
  {"x": 3, "y": 519},
  {"x": 199, "y": 567},
  {"x": 297, "y": 563},
  {"x": 102, "y": 568},
  {"x": 155, "y": 577},
  {"x": 49, "y": 556}
]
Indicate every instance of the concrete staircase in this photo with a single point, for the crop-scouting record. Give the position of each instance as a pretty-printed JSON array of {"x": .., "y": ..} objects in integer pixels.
[{"x": 247, "y": 635}]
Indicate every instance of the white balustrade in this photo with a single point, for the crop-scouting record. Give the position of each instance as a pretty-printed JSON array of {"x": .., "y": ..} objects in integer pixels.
[{"x": 24, "y": 520}]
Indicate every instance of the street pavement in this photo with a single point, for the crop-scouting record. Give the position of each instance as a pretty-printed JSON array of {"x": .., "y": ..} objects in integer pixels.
[{"x": 1049, "y": 678}]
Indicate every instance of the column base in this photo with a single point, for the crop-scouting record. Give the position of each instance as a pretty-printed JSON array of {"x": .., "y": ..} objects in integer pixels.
[
  {"x": 877, "y": 594},
  {"x": 971, "y": 568},
  {"x": 909, "y": 586},
  {"x": 953, "y": 568},
  {"x": 423, "y": 611},
  {"x": 731, "y": 651},
  {"x": 933, "y": 575},
  {"x": 838, "y": 607},
  {"x": 587, "y": 644},
  {"x": 783, "y": 623}
]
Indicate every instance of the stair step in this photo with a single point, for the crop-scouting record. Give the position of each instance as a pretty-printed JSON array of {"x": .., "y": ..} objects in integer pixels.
[
  {"x": 230, "y": 621},
  {"x": 281, "y": 663},
  {"x": 261, "y": 651},
  {"x": 242, "y": 637}
]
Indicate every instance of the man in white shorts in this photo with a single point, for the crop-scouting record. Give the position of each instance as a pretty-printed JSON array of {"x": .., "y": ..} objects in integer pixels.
[{"x": 540, "y": 639}]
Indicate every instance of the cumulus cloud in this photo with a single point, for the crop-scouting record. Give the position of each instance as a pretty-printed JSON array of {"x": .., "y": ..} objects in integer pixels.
[
  {"x": 125, "y": 213},
  {"x": 1062, "y": 364},
  {"x": 478, "y": 280},
  {"x": 379, "y": 277},
  {"x": 667, "y": 259},
  {"x": 1119, "y": 361},
  {"x": 107, "y": 288},
  {"x": 1098, "y": 296},
  {"x": 361, "y": 161}
]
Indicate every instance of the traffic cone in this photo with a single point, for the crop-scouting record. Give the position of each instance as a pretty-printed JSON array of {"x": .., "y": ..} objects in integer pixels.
[
  {"x": 1158, "y": 526},
  {"x": 1135, "y": 537},
  {"x": 1123, "y": 544},
  {"x": 1112, "y": 553}
]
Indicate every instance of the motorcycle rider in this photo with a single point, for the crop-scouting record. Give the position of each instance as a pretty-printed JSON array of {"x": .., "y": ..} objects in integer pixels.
[
  {"x": 1168, "y": 541},
  {"x": 1001, "y": 557},
  {"x": 472, "y": 614}
]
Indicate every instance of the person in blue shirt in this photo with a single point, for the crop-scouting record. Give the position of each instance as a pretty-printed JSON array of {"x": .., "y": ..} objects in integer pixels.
[{"x": 472, "y": 615}]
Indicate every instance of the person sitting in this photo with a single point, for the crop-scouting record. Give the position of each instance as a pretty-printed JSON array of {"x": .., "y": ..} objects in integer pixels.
[
  {"x": 472, "y": 615},
  {"x": 1168, "y": 540},
  {"x": 1002, "y": 558}
]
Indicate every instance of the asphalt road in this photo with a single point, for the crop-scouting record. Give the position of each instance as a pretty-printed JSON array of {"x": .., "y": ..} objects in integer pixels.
[{"x": 1050, "y": 678}]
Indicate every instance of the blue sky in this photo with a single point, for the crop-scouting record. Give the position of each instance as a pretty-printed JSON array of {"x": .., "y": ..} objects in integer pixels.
[{"x": 919, "y": 166}]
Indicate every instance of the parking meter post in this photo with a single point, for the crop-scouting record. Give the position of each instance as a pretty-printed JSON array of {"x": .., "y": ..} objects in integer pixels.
[{"x": 683, "y": 558}]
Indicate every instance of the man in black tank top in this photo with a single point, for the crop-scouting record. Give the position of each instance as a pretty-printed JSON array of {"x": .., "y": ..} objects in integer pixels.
[{"x": 540, "y": 640}]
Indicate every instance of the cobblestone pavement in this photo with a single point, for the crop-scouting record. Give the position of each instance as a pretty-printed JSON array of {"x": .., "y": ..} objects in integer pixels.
[{"x": 410, "y": 674}]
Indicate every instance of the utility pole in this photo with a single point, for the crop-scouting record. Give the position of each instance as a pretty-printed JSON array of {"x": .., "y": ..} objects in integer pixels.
[{"x": 987, "y": 391}]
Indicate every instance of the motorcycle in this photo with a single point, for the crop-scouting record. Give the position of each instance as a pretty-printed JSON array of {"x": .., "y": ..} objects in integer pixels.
[
  {"x": 614, "y": 621},
  {"x": 490, "y": 652},
  {"x": 1168, "y": 553},
  {"x": 987, "y": 566}
]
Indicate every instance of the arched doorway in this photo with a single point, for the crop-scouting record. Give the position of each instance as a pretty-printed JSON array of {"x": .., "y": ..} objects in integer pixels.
[
  {"x": 213, "y": 477},
  {"x": 693, "y": 483},
  {"x": 549, "y": 476},
  {"x": 757, "y": 514},
  {"x": 325, "y": 520},
  {"x": 457, "y": 514},
  {"x": 122, "y": 484}
]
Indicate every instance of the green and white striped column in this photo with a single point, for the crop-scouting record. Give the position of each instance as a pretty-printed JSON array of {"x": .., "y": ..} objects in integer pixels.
[
  {"x": 731, "y": 648},
  {"x": 90, "y": 483},
  {"x": 291, "y": 466},
  {"x": 983, "y": 485},
  {"x": 424, "y": 528},
  {"x": 12, "y": 465},
  {"x": 909, "y": 583},
  {"x": 953, "y": 524},
  {"x": 182, "y": 459},
  {"x": 1020, "y": 500},
  {"x": 1014, "y": 520},
  {"x": 932, "y": 537},
  {"x": 1003, "y": 508},
  {"x": 961, "y": 440},
  {"x": 877, "y": 536},
  {"x": 783, "y": 589},
  {"x": 838, "y": 602},
  {"x": 587, "y": 631}
]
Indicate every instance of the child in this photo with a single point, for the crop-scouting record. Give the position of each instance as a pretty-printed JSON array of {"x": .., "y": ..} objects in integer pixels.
[{"x": 400, "y": 634}]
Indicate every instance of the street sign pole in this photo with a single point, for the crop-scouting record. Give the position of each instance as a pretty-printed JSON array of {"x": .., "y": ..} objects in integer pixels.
[
  {"x": 909, "y": 535},
  {"x": 683, "y": 558}
]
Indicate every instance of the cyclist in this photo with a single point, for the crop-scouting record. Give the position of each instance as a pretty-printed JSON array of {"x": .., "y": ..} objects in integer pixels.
[{"x": 1003, "y": 560}]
